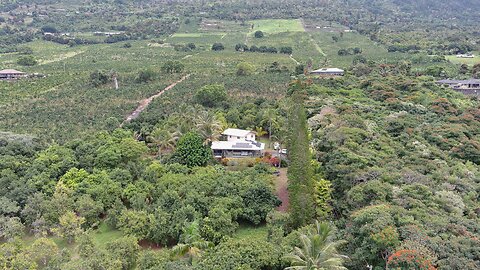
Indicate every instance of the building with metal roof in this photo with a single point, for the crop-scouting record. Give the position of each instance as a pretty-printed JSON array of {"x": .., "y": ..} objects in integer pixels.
[
  {"x": 9, "y": 74},
  {"x": 237, "y": 143},
  {"x": 328, "y": 72}
]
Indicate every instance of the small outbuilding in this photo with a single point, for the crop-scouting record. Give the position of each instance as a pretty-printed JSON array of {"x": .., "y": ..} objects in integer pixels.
[
  {"x": 328, "y": 72},
  {"x": 11, "y": 74}
]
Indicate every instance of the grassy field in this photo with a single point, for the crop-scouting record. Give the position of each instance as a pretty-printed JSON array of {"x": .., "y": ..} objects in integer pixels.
[
  {"x": 250, "y": 232},
  {"x": 272, "y": 26},
  {"x": 468, "y": 61}
]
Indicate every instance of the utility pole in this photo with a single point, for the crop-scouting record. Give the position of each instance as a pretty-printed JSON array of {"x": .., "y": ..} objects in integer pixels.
[{"x": 115, "y": 81}]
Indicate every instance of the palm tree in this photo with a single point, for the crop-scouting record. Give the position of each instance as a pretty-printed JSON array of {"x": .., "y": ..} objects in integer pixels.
[
  {"x": 209, "y": 127},
  {"x": 163, "y": 139},
  {"x": 270, "y": 115},
  {"x": 260, "y": 132},
  {"x": 318, "y": 252},
  {"x": 193, "y": 244}
]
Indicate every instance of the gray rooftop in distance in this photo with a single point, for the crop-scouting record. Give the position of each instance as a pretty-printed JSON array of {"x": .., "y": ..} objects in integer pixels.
[{"x": 470, "y": 81}]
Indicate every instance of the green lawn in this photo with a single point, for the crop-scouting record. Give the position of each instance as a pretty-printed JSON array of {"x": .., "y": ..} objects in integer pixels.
[
  {"x": 277, "y": 26},
  {"x": 105, "y": 234}
]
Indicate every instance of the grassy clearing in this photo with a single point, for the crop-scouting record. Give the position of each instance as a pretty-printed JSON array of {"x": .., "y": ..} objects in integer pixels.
[
  {"x": 60, "y": 57},
  {"x": 468, "y": 61},
  {"x": 251, "y": 232},
  {"x": 105, "y": 234},
  {"x": 277, "y": 26}
]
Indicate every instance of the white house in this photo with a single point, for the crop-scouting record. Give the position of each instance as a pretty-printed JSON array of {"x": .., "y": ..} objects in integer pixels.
[
  {"x": 328, "y": 72},
  {"x": 238, "y": 143},
  {"x": 234, "y": 135},
  {"x": 467, "y": 55}
]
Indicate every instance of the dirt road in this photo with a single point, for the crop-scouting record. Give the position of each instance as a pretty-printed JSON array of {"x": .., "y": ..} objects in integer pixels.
[
  {"x": 281, "y": 189},
  {"x": 145, "y": 102}
]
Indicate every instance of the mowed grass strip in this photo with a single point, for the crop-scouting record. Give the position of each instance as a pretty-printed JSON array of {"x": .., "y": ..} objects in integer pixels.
[{"x": 277, "y": 26}]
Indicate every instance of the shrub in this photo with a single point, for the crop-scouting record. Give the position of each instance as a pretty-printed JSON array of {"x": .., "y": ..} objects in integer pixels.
[
  {"x": 27, "y": 61},
  {"x": 99, "y": 77},
  {"x": 173, "y": 67},
  {"x": 299, "y": 69},
  {"x": 218, "y": 47},
  {"x": 241, "y": 47},
  {"x": 259, "y": 34},
  {"x": 145, "y": 76},
  {"x": 286, "y": 50},
  {"x": 49, "y": 29},
  {"x": 211, "y": 95},
  {"x": 191, "y": 46},
  {"x": 245, "y": 69}
]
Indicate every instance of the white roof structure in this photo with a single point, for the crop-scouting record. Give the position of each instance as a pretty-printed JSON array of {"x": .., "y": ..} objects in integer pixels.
[
  {"x": 328, "y": 70},
  {"x": 236, "y": 132},
  {"x": 240, "y": 146},
  {"x": 11, "y": 71}
]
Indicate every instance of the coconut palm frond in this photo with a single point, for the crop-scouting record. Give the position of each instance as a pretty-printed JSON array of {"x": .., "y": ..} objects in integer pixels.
[{"x": 317, "y": 251}]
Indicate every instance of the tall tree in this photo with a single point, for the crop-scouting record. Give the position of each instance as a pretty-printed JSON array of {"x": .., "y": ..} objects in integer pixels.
[
  {"x": 191, "y": 151},
  {"x": 70, "y": 226},
  {"x": 192, "y": 243},
  {"x": 163, "y": 139},
  {"x": 209, "y": 127},
  {"x": 317, "y": 251},
  {"x": 301, "y": 184}
]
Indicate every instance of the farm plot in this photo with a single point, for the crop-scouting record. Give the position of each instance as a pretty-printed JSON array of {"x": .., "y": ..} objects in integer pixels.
[
  {"x": 370, "y": 50},
  {"x": 65, "y": 104}
]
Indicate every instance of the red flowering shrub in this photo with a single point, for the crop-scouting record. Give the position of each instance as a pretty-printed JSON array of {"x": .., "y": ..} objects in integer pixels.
[{"x": 408, "y": 259}]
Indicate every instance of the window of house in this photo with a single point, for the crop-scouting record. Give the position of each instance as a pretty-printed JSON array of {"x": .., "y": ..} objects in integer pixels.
[{"x": 238, "y": 138}]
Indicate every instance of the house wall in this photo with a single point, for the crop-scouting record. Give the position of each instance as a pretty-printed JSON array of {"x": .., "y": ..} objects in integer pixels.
[
  {"x": 241, "y": 153},
  {"x": 249, "y": 137},
  {"x": 471, "y": 92}
]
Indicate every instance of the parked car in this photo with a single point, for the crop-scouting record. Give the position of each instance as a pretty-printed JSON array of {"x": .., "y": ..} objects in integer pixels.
[
  {"x": 283, "y": 151},
  {"x": 276, "y": 173}
]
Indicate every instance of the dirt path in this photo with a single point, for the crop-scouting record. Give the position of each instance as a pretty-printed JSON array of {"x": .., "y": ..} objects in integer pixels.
[
  {"x": 281, "y": 185},
  {"x": 145, "y": 102},
  {"x": 315, "y": 44},
  {"x": 294, "y": 60}
]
